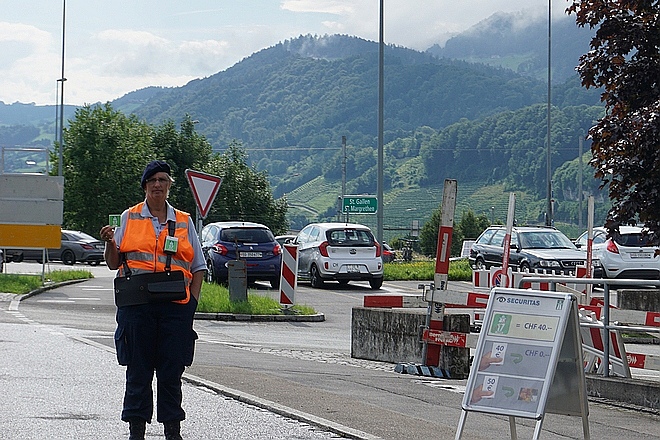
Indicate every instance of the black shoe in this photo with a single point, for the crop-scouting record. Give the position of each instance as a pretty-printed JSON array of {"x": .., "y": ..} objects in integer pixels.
[
  {"x": 173, "y": 430},
  {"x": 137, "y": 428}
]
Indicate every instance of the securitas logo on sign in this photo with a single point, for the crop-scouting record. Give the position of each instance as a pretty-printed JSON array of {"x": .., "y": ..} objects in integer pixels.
[{"x": 519, "y": 301}]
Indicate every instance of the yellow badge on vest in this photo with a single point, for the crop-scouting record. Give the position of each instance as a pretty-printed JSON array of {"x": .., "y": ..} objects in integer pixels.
[{"x": 171, "y": 244}]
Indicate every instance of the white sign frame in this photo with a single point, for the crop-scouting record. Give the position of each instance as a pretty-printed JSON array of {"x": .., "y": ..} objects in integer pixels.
[{"x": 532, "y": 332}]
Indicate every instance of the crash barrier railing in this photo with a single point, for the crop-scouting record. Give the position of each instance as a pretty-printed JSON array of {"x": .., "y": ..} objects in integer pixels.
[
  {"x": 608, "y": 332},
  {"x": 597, "y": 354}
]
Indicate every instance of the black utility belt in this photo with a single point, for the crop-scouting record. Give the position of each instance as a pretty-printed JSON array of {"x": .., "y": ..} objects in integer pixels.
[{"x": 148, "y": 288}]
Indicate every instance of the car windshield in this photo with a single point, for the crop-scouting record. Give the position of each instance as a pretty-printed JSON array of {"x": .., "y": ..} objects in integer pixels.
[
  {"x": 544, "y": 240},
  {"x": 632, "y": 240},
  {"x": 80, "y": 236},
  {"x": 246, "y": 235},
  {"x": 350, "y": 237}
]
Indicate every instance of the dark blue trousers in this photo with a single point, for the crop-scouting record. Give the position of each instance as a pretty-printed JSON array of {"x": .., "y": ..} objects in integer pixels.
[{"x": 158, "y": 338}]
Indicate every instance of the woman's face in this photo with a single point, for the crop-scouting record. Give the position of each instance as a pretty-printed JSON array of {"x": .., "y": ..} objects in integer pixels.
[{"x": 158, "y": 186}]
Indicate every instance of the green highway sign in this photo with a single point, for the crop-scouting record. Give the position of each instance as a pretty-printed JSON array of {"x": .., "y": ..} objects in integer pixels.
[{"x": 360, "y": 204}]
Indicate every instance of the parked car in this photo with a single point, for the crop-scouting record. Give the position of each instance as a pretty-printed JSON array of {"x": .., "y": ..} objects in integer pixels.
[
  {"x": 283, "y": 239},
  {"x": 388, "y": 253},
  {"x": 2, "y": 260},
  {"x": 253, "y": 242},
  {"x": 76, "y": 247},
  {"x": 531, "y": 248},
  {"x": 340, "y": 252},
  {"x": 626, "y": 255}
]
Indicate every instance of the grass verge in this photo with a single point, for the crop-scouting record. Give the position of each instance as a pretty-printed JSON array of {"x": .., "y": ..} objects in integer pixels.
[
  {"x": 215, "y": 299},
  {"x": 21, "y": 284},
  {"x": 425, "y": 270}
]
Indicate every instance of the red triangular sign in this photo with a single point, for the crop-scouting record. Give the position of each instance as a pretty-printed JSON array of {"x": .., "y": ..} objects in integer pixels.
[{"x": 204, "y": 188}]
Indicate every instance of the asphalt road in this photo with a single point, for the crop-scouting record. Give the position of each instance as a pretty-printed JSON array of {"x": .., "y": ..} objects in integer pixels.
[{"x": 305, "y": 371}]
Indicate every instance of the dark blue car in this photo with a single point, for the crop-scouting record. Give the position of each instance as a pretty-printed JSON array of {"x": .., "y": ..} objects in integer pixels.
[{"x": 252, "y": 242}]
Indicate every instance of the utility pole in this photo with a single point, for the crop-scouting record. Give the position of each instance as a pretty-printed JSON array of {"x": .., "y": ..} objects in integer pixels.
[
  {"x": 381, "y": 89},
  {"x": 580, "y": 195},
  {"x": 343, "y": 174},
  {"x": 548, "y": 215},
  {"x": 62, "y": 79}
]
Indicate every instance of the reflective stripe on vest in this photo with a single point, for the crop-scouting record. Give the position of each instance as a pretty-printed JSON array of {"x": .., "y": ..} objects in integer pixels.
[{"x": 144, "y": 251}]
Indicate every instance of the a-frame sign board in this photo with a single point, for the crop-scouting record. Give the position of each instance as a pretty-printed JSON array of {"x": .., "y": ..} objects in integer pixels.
[{"x": 528, "y": 360}]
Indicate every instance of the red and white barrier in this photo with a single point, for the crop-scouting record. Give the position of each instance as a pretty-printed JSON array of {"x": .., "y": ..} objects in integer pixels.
[
  {"x": 624, "y": 316},
  {"x": 398, "y": 300},
  {"x": 289, "y": 274},
  {"x": 487, "y": 279},
  {"x": 593, "y": 348},
  {"x": 645, "y": 361}
]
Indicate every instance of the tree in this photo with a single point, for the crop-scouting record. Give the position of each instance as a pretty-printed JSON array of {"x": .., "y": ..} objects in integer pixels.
[
  {"x": 245, "y": 193},
  {"x": 185, "y": 149},
  {"x": 624, "y": 61},
  {"x": 470, "y": 226},
  {"x": 103, "y": 157}
]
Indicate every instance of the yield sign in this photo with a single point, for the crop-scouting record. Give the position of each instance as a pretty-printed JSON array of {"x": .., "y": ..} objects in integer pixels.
[{"x": 204, "y": 188}]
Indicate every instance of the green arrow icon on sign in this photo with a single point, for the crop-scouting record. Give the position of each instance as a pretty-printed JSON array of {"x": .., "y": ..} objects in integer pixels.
[
  {"x": 517, "y": 358},
  {"x": 508, "y": 391}
]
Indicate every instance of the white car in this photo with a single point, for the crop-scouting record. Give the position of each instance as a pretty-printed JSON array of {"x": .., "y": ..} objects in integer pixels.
[
  {"x": 340, "y": 252},
  {"x": 627, "y": 255}
]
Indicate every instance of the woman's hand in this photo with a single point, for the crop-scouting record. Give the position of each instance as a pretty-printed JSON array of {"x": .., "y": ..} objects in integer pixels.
[{"x": 107, "y": 233}]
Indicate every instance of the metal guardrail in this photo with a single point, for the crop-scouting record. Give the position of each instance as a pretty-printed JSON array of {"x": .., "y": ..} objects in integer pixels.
[{"x": 606, "y": 283}]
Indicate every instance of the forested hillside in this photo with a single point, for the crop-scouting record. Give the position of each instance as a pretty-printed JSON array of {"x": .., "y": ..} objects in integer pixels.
[{"x": 289, "y": 106}]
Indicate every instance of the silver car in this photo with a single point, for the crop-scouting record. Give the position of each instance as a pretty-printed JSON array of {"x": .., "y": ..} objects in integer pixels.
[
  {"x": 627, "y": 255},
  {"x": 340, "y": 252}
]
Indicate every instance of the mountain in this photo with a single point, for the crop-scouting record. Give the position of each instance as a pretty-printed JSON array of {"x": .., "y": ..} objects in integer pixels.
[
  {"x": 520, "y": 43},
  {"x": 290, "y": 105}
]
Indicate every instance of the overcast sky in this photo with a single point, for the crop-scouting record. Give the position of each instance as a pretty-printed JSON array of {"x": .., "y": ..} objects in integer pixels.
[{"x": 116, "y": 46}]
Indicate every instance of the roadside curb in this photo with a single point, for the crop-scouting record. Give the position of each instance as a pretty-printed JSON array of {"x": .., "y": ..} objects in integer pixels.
[
  {"x": 22, "y": 296},
  {"x": 319, "y": 317}
]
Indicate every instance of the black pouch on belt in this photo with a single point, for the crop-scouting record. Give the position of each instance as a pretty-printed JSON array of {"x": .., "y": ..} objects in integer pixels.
[{"x": 144, "y": 288}]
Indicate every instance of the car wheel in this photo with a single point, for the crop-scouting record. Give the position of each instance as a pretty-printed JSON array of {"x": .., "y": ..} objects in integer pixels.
[
  {"x": 524, "y": 267},
  {"x": 68, "y": 258},
  {"x": 275, "y": 284},
  {"x": 17, "y": 258},
  {"x": 315, "y": 277},
  {"x": 480, "y": 264},
  {"x": 343, "y": 282},
  {"x": 375, "y": 283}
]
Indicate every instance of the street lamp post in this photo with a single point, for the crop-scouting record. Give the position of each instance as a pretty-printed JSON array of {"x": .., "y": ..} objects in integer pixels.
[
  {"x": 381, "y": 56},
  {"x": 548, "y": 215},
  {"x": 62, "y": 79}
]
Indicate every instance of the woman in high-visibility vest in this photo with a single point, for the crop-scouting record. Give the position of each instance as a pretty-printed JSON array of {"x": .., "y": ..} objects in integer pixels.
[{"x": 155, "y": 336}]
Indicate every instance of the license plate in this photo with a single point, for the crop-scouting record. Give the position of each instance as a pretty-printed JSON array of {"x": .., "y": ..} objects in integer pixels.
[
  {"x": 640, "y": 255},
  {"x": 249, "y": 254},
  {"x": 352, "y": 268}
]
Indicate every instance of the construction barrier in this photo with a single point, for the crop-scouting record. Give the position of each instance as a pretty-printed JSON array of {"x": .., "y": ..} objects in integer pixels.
[{"x": 289, "y": 274}]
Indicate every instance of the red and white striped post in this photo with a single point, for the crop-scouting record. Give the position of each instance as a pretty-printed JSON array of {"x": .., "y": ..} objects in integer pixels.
[
  {"x": 590, "y": 245},
  {"x": 443, "y": 252},
  {"x": 510, "y": 216},
  {"x": 289, "y": 274}
]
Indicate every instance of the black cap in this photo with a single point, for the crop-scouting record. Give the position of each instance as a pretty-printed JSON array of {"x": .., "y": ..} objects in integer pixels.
[{"x": 153, "y": 167}]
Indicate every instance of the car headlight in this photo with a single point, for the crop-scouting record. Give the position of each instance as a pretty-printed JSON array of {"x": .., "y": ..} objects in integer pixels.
[{"x": 549, "y": 263}]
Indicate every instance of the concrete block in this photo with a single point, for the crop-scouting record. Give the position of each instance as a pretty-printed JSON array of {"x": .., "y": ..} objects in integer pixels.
[
  {"x": 387, "y": 335},
  {"x": 647, "y": 300}
]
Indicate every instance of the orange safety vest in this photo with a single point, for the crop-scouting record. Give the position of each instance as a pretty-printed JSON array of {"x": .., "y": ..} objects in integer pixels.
[{"x": 144, "y": 252}]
